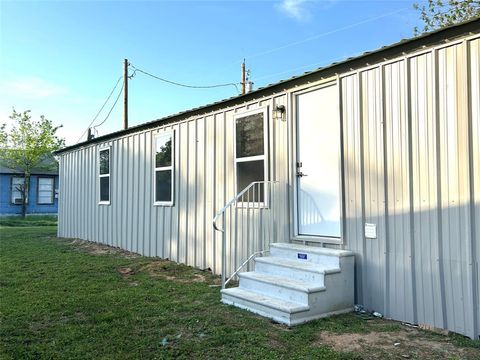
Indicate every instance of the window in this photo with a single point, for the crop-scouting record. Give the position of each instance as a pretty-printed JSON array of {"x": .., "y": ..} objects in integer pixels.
[
  {"x": 45, "y": 190},
  {"x": 250, "y": 151},
  {"x": 104, "y": 174},
  {"x": 17, "y": 190},
  {"x": 163, "y": 169}
]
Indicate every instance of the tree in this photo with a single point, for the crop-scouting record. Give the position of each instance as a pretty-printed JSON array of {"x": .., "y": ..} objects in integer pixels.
[
  {"x": 26, "y": 146},
  {"x": 440, "y": 13}
]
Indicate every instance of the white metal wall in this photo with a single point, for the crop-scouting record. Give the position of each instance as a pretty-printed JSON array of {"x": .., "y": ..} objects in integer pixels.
[
  {"x": 412, "y": 167},
  {"x": 204, "y": 182},
  {"x": 411, "y": 133}
]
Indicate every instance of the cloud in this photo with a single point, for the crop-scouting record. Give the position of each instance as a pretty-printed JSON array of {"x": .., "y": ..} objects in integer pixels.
[
  {"x": 295, "y": 9},
  {"x": 31, "y": 88}
]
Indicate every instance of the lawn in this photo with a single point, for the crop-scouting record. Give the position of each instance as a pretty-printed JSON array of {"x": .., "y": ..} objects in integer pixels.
[
  {"x": 29, "y": 220},
  {"x": 75, "y": 300}
]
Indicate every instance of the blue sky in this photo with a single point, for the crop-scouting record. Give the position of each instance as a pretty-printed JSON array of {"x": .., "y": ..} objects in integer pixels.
[{"x": 62, "y": 58}]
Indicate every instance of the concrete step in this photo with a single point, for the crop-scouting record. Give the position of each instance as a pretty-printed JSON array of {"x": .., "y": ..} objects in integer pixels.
[
  {"x": 293, "y": 269},
  {"x": 296, "y": 284},
  {"x": 279, "y": 287},
  {"x": 324, "y": 256},
  {"x": 237, "y": 296},
  {"x": 278, "y": 310}
]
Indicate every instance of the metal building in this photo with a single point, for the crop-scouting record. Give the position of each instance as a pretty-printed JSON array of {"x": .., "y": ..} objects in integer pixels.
[{"x": 390, "y": 142}]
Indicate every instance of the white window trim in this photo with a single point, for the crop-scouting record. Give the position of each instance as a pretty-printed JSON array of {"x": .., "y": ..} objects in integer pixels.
[
  {"x": 261, "y": 110},
  {"x": 52, "y": 198},
  {"x": 171, "y": 168},
  {"x": 109, "y": 148}
]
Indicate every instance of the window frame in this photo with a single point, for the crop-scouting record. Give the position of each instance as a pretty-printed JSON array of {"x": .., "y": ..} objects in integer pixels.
[
  {"x": 12, "y": 202},
  {"x": 104, "y": 148},
  {"x": 157, "y": 135},
  {"x": 265, "y": 157},
  {"x": 52, "y": 198}
]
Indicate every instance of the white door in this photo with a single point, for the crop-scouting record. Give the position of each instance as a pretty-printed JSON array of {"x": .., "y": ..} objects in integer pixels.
[{"x": 318, "y": 163}]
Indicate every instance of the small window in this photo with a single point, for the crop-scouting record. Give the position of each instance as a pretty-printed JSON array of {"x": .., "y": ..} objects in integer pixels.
[
  {"x": 104, "y": 174},
  {"x": 45, "y": 191},
  {"x": 17, "y": 190},
  {"x": 250, "y": 151},
  {"x": 163, "y": 169}
]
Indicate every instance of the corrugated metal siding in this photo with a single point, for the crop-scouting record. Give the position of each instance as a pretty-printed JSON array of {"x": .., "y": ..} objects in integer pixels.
[
  {"x": 411, "y": 143},
  {"x": 204, "y": 182},
  {"x": 474, "y": 77}
]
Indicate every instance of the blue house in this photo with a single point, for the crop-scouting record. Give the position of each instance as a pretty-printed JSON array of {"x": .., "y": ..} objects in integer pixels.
[{"x": 42, "y": 196}]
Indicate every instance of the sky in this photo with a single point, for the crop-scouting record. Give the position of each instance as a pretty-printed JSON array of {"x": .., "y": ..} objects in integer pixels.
[{"x": 62, "y": 59}]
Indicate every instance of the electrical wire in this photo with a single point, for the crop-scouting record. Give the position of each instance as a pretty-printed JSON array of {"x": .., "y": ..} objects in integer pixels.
[
  {"x": 99, "y": 111},
  {"x": 314, "y": 37},
  {"x": 183, "y": 85},
  {"x": 111, "y": 109}
]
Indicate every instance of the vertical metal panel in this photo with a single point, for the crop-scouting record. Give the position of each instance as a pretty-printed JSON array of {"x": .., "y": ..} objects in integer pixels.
[
  {"x": 474, "y": 78},
  {"x": 373, "y": 163},
  {"x": 424, "y": 188},
  {"x": 352, "y": 173},
  {"x": 398, "y": 237},
  {"x": 454, "y": 176}
]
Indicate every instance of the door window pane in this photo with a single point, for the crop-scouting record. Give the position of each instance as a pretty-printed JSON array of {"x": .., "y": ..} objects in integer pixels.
[{"x": 249, "y": 136}]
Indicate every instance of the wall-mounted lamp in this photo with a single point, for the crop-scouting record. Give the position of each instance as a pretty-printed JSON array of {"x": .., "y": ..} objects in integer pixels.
[{"x": 279, "y": 112}]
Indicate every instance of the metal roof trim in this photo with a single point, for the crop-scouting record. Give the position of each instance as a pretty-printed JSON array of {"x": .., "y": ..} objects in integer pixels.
[{"x": 437, "y": 36}]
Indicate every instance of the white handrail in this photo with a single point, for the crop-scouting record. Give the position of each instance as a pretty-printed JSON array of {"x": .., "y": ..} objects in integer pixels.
[{"x": 222, "y": 211}]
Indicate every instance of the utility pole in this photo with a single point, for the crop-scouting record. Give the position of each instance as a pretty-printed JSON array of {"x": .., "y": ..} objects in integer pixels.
[
  {"x": 125, "y": 94},
  {"x": 243, "y": 77}
]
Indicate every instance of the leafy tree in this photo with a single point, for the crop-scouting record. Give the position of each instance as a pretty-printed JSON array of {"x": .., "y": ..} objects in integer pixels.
[
  {"x": 26, "y": 146},
  {"x": 440, "y": 13}
]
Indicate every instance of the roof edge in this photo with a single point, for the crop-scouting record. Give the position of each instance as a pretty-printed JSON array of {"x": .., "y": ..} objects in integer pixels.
[{"x": 408, "y": 45}]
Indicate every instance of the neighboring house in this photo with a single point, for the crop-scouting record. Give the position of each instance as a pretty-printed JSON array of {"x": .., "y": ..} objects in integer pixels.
[
  {"x": 43, "y": 191},
  {"x": 378, "y": 155}
]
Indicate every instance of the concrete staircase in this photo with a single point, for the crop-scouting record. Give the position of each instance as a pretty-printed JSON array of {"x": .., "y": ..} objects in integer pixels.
[{"x": 296, "y": 283}]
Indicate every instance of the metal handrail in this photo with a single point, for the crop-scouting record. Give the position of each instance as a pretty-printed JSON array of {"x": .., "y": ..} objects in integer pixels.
[
  {"x": 220, "y": 213},
  {"x": 255, "y": 254}
]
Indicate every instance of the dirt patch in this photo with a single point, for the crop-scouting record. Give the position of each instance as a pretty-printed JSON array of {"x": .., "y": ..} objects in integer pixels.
[
  {"x": 100, "y": 249},
  {"x": 406, "y": 343},
  {"x": 178, "y": 273},
  {"x": 125, "y": 272}
]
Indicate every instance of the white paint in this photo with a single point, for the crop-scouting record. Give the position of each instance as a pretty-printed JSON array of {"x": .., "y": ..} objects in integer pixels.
[
  {"x": 370, "y": 231},
  {"x": 318, "y": 157},
  {"x": 292, "y": 291}
]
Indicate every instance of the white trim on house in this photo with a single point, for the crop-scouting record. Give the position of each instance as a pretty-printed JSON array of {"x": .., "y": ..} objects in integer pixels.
[
  {"x": 100, "y": 176},
  {"x": 264, "y": 157},
  {"x": 171, "y": 168}
]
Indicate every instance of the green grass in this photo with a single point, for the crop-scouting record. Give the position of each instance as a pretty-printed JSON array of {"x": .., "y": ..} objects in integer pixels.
[
  {"x": 29, "y": 220},
  {"x": 60, "y": 300}
]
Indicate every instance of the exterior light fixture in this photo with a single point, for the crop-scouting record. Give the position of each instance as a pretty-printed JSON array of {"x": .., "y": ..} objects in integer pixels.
[{"x": 279, "y": 112}]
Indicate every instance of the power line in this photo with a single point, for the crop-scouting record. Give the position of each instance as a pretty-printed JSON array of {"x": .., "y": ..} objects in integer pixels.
[
  {"x": 111, "y": 109},
  {"x": 180, "y": 84},
  {"x": 316, "y": 64},
  {"x": 99, "y": 111},
  {"x": 314, "y": 37}
]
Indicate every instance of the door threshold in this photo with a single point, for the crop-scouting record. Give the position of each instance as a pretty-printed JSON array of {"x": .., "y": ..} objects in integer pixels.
[{"x": 317, "y": 239}]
